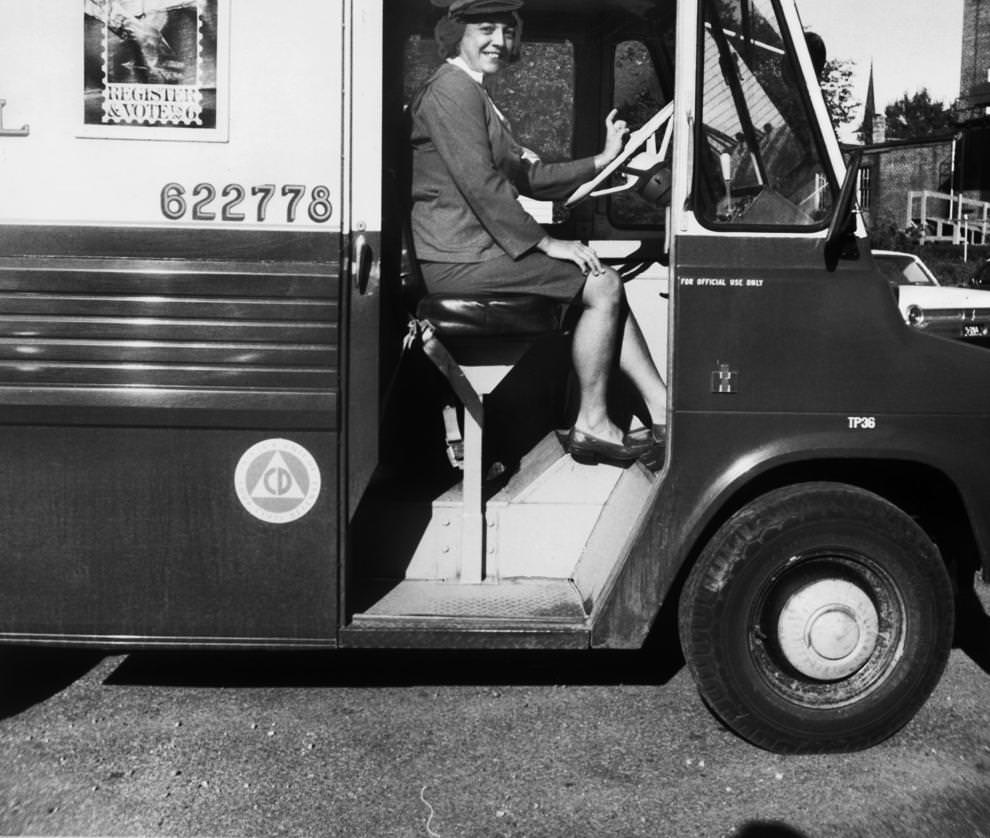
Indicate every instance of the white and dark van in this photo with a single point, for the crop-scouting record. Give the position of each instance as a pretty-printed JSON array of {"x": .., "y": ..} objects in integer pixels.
[{"x": 212, "y": 436}]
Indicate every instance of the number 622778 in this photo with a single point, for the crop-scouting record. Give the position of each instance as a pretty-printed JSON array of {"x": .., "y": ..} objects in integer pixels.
[{"x": 234, "y": 202}]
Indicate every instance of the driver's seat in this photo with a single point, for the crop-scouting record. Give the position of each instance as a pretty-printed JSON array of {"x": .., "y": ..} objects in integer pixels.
[{"x": 474, "y": 340}]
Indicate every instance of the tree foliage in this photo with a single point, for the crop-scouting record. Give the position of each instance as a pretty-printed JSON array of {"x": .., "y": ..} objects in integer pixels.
[
  {"x": 836, "y": 84},
  {"x": 915, "y": 116}
]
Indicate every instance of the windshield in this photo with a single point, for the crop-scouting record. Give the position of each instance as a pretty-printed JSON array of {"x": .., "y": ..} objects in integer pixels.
[{"x": 760, "y": 162}]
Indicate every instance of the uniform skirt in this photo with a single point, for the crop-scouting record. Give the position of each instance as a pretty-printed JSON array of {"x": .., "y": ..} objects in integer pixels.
[{"x": 534, "y": 273}]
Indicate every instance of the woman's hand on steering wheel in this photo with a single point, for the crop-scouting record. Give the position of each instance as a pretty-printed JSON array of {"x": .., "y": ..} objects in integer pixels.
[
  {"x": 615, "y": 136},
  {"x": 643, "y": 137},
  {"x": 572, "y": 251}
]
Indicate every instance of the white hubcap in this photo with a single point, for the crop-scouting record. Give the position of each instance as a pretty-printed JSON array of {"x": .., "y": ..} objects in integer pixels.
[{"x": 828, "y": 629}]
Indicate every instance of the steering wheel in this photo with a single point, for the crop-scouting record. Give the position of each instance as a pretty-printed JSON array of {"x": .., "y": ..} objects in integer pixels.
[{"x": 638, "y": 171}]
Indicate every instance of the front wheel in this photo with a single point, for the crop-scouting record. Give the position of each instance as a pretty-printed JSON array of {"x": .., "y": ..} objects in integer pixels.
[{"x": 819, "y": 618}]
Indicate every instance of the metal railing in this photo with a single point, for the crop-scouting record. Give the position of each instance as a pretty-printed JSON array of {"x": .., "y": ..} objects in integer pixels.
[{"x": 941, "y": 217}]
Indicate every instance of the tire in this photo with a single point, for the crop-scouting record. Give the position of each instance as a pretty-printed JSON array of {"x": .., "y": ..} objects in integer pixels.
[{"x": 819, "y": 618}]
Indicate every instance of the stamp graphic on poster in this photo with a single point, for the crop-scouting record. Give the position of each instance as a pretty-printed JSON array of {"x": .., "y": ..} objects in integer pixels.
[{"x": 152, "y": 68}]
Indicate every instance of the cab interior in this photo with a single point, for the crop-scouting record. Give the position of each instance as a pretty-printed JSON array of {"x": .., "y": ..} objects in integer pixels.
[{"x": 502, "y": 528}]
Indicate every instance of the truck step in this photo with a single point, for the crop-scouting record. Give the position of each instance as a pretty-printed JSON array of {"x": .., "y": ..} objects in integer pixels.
[{"x": 515, "y": 601}]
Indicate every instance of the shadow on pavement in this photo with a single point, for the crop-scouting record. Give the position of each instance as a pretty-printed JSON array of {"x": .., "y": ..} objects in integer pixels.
[
  {"x": 394, "y": 668},
  {"x": 31, "y": 676},
  {"x": 768, "y": 829},
  {"x": 973, "y": 627},
  {"x": 656, "y": 663}
]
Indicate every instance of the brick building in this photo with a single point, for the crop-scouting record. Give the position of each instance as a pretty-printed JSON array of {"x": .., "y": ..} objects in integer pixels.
[
  {"x": 951, "y": 162},
  {"x": 890, "y": 169},
  {"x": 974, "y": 73},
  {"x": 973, "y": 105}
]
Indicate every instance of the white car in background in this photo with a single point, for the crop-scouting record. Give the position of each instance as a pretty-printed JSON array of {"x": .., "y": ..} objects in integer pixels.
[{"x": 946, "y": 310}]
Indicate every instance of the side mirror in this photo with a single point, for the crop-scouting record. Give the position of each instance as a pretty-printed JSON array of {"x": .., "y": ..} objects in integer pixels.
[{"x": 843, "y": 223}]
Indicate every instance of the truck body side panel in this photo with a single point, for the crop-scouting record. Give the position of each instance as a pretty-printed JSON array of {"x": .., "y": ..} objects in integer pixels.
[{"x": 169, "y": 300}]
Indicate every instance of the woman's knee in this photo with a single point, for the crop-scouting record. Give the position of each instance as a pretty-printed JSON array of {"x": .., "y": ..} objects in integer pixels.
[{"x": 604, "y": 289}]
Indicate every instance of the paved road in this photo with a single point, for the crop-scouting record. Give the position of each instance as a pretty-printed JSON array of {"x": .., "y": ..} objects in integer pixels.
[{"x": 433, "y": 745}]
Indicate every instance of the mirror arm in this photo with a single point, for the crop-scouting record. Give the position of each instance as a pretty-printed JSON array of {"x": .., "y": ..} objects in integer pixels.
[{"x": 843, "y": 218}]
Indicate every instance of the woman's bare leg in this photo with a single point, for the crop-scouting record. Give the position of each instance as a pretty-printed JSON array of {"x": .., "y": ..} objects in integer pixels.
[
  {"x": 607, "y": 327},
  {"x": 593, "y": 351},
  {"x": 636, "y": 362}
]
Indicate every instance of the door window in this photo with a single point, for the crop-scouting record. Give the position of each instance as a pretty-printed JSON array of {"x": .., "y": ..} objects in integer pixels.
[
  {"x": 536, "y": 95},
  {"x": 759, "y": 162},
  {"x": 637, "y": 97}
]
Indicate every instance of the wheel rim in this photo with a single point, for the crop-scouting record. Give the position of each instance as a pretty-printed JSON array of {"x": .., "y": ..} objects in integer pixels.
[{"x": 827, "y": 629}]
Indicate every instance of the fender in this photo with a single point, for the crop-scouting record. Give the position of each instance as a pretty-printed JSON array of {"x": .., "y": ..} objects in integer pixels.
[{"x": 714, "y": 457}]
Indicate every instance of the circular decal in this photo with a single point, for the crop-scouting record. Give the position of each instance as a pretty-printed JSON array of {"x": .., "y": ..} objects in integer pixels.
[{"x": 277, "y": 481}]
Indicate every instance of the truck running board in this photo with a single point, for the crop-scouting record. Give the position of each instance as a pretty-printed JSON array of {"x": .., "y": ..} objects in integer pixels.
[{"x": 514, "y": 600}]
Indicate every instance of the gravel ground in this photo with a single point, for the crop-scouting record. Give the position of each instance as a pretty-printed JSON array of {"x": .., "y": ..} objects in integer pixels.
[{"x": 457, "y": 745}]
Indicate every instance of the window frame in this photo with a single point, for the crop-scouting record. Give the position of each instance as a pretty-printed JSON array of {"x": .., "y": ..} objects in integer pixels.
[
  {"x": 698, "y": 138},
  {"x": 864, "y": 187}
]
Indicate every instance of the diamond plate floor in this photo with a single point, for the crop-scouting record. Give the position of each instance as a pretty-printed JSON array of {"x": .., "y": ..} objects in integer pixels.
[{"x": 513, "y": 600}]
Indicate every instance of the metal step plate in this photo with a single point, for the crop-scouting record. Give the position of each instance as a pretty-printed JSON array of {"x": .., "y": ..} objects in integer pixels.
[{"x": 514, "y": 601}]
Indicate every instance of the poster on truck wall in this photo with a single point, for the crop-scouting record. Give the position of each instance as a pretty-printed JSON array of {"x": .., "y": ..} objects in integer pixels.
[{"x": 155, "y": 69}]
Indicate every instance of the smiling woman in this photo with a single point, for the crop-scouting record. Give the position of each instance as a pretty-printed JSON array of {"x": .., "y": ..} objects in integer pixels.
[
  {"x": 485, "y": 46},
  {"x": 489, "y": 33},
  {"x": 474, "y": 237}
]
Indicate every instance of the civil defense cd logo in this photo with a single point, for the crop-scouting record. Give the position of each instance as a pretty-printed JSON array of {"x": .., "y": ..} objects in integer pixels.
[{"x": 277, "y": 481}]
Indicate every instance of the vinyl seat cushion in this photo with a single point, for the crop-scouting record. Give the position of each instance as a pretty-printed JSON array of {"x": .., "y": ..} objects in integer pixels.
[{"x": 490, "y": 316}]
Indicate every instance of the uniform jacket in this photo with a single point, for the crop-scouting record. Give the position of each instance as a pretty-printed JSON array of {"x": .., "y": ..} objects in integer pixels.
[{"x": 468, "y": 171}]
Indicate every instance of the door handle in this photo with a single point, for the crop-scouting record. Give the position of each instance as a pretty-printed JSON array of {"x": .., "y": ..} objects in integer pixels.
[
  {"x": 363, "y": 258},
  {"x": 23, "y": 131}
]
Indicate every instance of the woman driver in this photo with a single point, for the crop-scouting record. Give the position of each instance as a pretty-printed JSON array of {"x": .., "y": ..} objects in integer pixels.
[{"x": 473, "y": 236}]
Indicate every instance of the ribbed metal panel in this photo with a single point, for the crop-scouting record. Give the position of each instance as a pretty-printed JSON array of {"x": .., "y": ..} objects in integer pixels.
[{"x": 201, "y": 325}]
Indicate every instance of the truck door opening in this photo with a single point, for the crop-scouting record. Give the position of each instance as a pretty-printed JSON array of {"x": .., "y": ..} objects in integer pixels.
[{"x": 554, "y": 530}]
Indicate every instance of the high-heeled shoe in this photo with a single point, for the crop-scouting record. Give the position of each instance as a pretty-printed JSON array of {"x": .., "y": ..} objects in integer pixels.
[
  {"x": 589, "y": 449},
  {"x": 655, "y": 437},
  {"x": 657, "y": 434}
]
